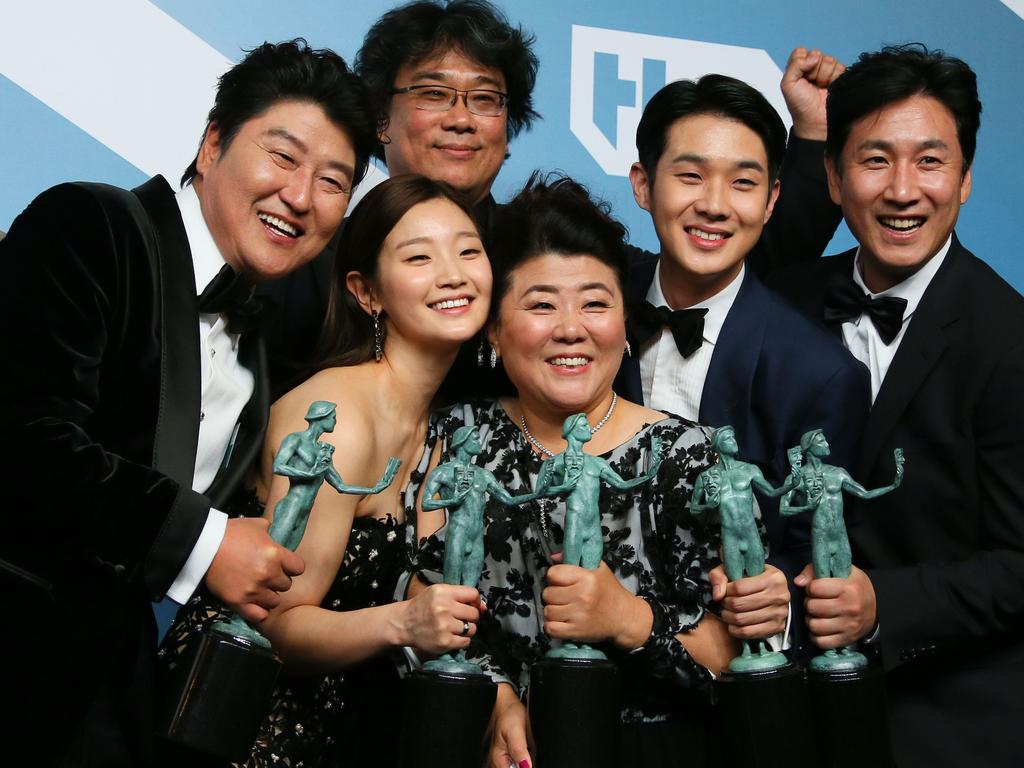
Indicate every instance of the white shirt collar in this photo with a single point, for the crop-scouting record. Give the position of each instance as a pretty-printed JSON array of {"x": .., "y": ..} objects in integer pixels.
[
  {"x": 911, "y": 289},
  {"x": 718, "y": 306},
  {"x": 206, "y": 257}
]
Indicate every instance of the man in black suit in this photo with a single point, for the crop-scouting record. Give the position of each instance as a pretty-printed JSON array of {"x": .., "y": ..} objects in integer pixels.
[
  {"x": 131, "y": 401},
  {"x": 940, "y": 584},
  {"x": 710, "y": 342}
]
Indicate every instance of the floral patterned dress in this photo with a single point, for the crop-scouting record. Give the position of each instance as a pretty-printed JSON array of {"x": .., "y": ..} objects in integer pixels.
[
  {"x": 348, "y": 717},
  {"x": 652, "y": 544}
]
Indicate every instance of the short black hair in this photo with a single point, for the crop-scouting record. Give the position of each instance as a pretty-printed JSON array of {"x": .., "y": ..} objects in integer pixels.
[
  {"x": 474, "y": 28},
  {"x": 895, "y": 73},
  {"x": 553, "y": 214},
  {"x": 292, "y": 71},
  {"x": 717, "y": 95}
]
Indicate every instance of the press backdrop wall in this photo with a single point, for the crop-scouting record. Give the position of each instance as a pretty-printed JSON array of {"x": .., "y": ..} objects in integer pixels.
[{"x": 117, "y": 90}]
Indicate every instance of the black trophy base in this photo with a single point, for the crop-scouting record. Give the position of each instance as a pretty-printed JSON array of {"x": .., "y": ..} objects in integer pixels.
[
  {"x": 850, "y": 718},
  {"x": 574, "y": 713},
  {"x": 216, "y": 698},
  {"x": 444, "y": 719},
  {"x": 762, "y": 719}
]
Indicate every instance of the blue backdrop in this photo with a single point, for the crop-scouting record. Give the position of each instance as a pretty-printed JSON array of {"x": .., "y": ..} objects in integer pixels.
[{"x": 118, "y": 90}]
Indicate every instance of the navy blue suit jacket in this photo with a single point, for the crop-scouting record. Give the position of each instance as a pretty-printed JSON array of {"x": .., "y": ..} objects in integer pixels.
[{"x": 773, "y": 376}]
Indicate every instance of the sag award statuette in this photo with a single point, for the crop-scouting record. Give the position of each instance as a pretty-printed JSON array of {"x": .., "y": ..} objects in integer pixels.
[
  {"x": 762, "y": 693},
  {"x": 847, "y": 693},
  {"x": 221, "y": 691},
  {"x": 448, "y": 703},
  {"x": 574, "y": 690}
]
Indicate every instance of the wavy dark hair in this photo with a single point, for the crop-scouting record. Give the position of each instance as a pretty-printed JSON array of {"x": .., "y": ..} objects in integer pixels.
[
  {"x": 292, "y": 71},
  {"x": 475, "y": 28},
  {"x": 553, "y": 214},
  {"x": 895, "y": 73},
  {"x": 347, "y": 334}
]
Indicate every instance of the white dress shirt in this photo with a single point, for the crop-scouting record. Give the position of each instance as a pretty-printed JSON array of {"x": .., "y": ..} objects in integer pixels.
[
  {"x": 861, "y": 337},
  {"x": 670, "y": 381},
  {"x": 227, "y": 386}
]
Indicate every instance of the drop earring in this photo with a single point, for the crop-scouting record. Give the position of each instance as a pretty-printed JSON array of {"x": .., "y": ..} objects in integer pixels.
[
  {"x": 378, "y": 336},
  {"x": 629, "y": 352},
  {"x": 494, "y": 358}
]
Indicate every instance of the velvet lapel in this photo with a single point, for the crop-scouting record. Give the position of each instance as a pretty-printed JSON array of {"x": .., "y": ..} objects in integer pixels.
[
  {"x": 627, "y": 382},
  {"x": 920, "y": 349},
  {"x": 725, "y": 398},
  {"x": 177, "y": 430}
]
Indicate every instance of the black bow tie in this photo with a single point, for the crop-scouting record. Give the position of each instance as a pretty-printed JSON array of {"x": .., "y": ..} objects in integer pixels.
[
  {"x": 687, "y": 325},
  {"x": 846, "y": 301},
  {"x": 227, "y": 294}
]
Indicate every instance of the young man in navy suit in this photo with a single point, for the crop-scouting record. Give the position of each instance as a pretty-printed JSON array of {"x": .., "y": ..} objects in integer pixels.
[
  {"x": 709, "y": 342},
  {"x": 940, "y": 583}
]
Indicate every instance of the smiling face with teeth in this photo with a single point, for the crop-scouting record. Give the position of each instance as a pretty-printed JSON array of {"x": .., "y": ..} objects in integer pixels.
[
  {"x": 561, "y": 332},
  {"x": 433, "y": 283},
  {"x": 901, "y": 182},
  {"x": 274, "y": 197},
  {"x": 710, "y": 198}
]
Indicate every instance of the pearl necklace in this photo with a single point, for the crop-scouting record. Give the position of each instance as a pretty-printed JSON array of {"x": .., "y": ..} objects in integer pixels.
[{"x": 549, "y": 453}]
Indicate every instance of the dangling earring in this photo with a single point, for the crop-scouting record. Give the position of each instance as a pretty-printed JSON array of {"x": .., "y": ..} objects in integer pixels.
[
  {"x": 378, "y": 336},
  {"x": 480, "y": 354},
  {"x": 494, "y": 358},
  {"x": 629, "y": 352}
]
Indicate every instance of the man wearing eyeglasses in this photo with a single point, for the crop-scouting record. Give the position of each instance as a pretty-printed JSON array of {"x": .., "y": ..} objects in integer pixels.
[{"x": 454, "y": 82}]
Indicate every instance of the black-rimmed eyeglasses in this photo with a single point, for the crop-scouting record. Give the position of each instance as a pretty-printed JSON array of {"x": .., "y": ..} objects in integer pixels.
[{"x": 441, "y": 98}]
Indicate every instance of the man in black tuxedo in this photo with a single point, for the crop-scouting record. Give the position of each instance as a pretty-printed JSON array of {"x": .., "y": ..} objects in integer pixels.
[
  {"x": 710, "y": 342},
  {"x": 940, "y": 583},
  {"x": 132, "y": 399}
]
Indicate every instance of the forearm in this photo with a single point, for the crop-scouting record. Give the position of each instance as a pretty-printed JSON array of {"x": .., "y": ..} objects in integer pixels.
[
  {"x": 312, "y": 639},
  {"x": 710, "y": 644}
]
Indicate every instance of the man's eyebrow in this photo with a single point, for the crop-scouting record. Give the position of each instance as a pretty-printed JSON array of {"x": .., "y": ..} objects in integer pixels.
[
  {"x": 444, "y": 77},
  {"x": 888, "y": 145},
  {"x": 337, "y": 165},
  {"x": 690, "y": 157}
]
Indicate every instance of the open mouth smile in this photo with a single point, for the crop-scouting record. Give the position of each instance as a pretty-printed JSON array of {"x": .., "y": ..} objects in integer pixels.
[
  {"x": 569, "y": 363},
  {"x": 279, "y": 226},
  {"x": 451, "y": 306},
  {"x": 902, "y": 224}
]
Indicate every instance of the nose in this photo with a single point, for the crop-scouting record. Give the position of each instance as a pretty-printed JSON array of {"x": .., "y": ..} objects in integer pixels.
[
  {"x": 297, "y": 192},
  {"x": 458, "y": 117},
  {"x": 712, "y": 201},
  {"x": 449, "y": 272},
  {"x": 902, "y": 188},
  {"x": 570, "y": 328}
]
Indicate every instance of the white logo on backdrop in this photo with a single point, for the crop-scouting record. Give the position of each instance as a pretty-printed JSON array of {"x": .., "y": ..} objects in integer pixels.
[
  {"x": 615, "y": 73},
  {"x": 1017, "y": 6}
]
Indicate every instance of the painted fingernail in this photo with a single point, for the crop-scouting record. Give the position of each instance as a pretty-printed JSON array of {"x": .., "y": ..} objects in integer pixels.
[{"x": 524, "y": 764}]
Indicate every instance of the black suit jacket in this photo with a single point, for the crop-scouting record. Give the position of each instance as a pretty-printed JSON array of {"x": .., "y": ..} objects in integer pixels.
[
  {"x": 99, "y": 425},
  {"x": 945, "y": 552}
]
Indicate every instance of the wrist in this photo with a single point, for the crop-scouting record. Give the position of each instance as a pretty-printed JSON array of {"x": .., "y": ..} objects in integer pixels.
[
  {"x": 398, "y": 622},
  {"x": 638, "y": 621},
  {"x": 810, "y": 131}
]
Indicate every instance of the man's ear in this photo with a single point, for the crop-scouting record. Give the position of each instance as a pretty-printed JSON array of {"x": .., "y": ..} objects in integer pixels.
[
  {"x": 362, "y": 290},
  {"x": 209, "y": 150},
  {"x": 835, "y": 180},
  {"x": 641, "y": 186},
  {"x": 773, "y": 196},
  {"x": 965, "y": 187}
]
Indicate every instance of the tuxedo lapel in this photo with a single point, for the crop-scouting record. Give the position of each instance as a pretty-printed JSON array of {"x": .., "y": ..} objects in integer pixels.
[
  {"x": 725, "y": 398},
  {"x": 177, "y": 430},
  {"x": 921, "y": 348},
  {"x": 641, "y": 273}
]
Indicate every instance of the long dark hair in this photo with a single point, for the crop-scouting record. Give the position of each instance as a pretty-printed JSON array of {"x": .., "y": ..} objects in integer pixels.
[{"x": 347, "y": 334}]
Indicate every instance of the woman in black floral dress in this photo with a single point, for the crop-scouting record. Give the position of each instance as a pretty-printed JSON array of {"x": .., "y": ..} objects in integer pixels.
[
  {"x": 558, "y": 326},
  {"x": 412, "y": 284}
]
